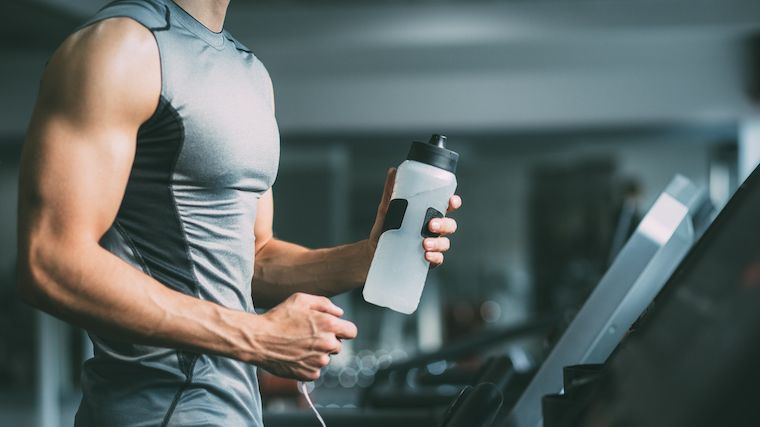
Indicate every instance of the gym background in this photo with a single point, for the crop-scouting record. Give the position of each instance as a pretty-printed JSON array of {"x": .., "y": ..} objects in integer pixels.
[{"x": 565, "y": 113}]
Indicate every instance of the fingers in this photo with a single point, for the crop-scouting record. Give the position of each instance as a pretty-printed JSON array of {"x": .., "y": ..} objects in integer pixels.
[
  {"x": 436, "y": 244},
  {"x": 337, "y": 348},
  {"x": 443, "y": 226},
  {"x": 327, "y": 344},
  {"x": 434, "y": 258},
  {"x": 328, "y": 341},
  {"x": 330, "y": 323},
  {"x": 300, "y": 336},
  {"x": 344, "y": 329},
  {"x": 317, "y": 303},
  {"x": 328, "y": 316},
  {"x": 455, "y": 202},
  {"x": 434, "y": 248}
]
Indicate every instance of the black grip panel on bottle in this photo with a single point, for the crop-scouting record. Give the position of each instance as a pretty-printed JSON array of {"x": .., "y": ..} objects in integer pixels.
[
  {"x": 395, "y": 215},
  {"x": 431, "y": 214}
]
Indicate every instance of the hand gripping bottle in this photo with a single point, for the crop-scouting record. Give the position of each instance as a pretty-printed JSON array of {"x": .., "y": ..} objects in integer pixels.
[{"x": 424, "y": 184}]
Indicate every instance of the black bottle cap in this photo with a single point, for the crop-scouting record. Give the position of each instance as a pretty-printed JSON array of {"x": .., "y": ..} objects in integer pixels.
[{"x": 434, "y": 153}]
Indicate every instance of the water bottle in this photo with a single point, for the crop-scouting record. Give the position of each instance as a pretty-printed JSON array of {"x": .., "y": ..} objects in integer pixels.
[{"x": 425, "y": 182}]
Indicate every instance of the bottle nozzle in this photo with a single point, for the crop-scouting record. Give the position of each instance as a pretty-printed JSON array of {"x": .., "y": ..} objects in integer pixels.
[
  {"x": 438, "y": 141},
  {"x": 434, "y": 153}
]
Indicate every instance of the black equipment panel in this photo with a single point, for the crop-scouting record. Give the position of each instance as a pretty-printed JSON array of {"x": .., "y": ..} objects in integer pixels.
[{"x": 694, "y": 358}]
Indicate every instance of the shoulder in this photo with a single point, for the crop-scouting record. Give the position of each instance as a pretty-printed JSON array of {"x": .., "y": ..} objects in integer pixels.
[
  {"x": 112, "y": 61},
  {"x": 111, "y": 37},
  {"x": 152, "y": 14}
]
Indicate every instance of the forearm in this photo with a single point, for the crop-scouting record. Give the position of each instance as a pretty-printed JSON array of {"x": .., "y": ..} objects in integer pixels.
[
  {"x": 90, "y": 287},
  {"x": 283, "y": 269}
]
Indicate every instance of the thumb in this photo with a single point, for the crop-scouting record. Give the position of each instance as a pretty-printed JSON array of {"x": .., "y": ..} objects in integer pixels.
[
  {"x": 390, "y": 179},
  {"x": 382, "y": 209}
]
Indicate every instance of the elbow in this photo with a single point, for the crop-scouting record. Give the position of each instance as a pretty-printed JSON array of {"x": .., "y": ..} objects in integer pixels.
[
  {"x": 27, "y": 289},
  {"x": 32, "y": 282}
]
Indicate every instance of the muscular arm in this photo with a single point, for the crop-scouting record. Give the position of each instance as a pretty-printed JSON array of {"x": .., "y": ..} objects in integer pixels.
[
  {"x": 283, "y": 268},
  {"x": 97, "y": 90}
]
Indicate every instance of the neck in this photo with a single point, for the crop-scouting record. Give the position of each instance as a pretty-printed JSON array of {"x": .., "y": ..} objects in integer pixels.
[{"x": 210, "y": 13}]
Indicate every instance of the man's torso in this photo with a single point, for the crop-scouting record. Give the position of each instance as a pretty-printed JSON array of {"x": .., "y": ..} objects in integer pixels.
[{"x": 187, "y": 219}]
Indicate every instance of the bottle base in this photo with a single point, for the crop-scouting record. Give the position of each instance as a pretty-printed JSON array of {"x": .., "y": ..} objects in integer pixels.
[{"x": 393, "y": 302}]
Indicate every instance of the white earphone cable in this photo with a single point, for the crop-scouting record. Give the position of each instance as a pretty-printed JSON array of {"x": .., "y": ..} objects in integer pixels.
[{"x": 302, "y": 386}]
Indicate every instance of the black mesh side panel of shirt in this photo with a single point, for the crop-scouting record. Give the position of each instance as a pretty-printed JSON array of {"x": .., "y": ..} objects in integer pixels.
[{"x": 148, "y": 212}]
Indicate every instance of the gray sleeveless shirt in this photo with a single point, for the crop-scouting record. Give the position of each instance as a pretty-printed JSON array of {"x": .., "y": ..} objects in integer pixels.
[{"x": 187, "y": 219}]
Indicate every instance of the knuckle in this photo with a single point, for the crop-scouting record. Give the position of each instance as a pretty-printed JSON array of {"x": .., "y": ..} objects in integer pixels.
[
  {"x": 334, "y": 323},
  {"x": 430, "y": 243},
  {"x": 301, "y": 298},
  {"x": 324, "y": 342},
  {"x": 312, "y": 375},
  {"x": 324, "y": 360},
  {"x": 327, "y": 326},
  {"x": 327, "y": 323},
  {"x": 449, "y": 225},
  {"x": 435, "y": 258},
  {"x": 333, "y": 347},
  {"x": 445, "y": 243}
]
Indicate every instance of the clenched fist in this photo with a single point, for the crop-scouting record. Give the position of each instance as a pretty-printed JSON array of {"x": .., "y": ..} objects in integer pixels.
[{"x": 300, "y": 335}]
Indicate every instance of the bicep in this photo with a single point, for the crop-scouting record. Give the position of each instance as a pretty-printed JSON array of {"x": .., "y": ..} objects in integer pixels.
[
  {"x": 69, "y": 184},
  {"x": 81, "y": 141}
]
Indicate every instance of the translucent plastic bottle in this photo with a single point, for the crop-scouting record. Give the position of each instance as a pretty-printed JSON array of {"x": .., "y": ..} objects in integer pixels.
[{"x": 424, "y": 184}]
